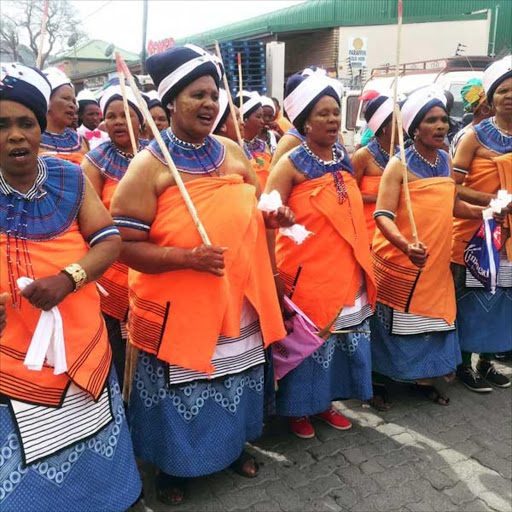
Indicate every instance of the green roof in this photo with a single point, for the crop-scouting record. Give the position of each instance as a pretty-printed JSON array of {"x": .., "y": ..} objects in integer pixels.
[
  {"x": 318, "y": 14},
  {"x": 94, "y": 49}
]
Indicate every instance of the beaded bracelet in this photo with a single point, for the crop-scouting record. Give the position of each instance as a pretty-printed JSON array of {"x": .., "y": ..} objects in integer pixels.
[{"x": 384, "y": 213}]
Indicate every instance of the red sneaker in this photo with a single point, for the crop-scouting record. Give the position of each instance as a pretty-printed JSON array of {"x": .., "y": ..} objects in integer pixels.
[
  {"x": 301, "y": 427},
  {"x": 334, "y": 419}
]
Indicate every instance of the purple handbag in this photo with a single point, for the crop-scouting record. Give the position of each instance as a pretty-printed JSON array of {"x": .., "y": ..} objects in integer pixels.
[{"x": 299, "y": 344}]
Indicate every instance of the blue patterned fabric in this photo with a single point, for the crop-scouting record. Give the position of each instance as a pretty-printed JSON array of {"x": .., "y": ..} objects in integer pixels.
[
  {"x": 96, "y": 475},
  {"x": 49, "y": 207},
  {"x": 380, "y": 156},
  {"x": 197, "y": 428},
  {"x": 205, "y": 158},
  {"x": 308, "y": 164},
  {"x": 340, "y": 369},
  {"x": 416, "y": 356},
  {"x": 110, "y": 161},
  {"x": 489, "y": 136},
  {"x": 295, "y": 133},
  {"x": 67, "y": 142},
  {"x": 417, "y": 165}
]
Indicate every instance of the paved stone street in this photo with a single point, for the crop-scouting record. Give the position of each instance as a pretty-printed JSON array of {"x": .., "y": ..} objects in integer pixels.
[{"x": 417, "y": 457}]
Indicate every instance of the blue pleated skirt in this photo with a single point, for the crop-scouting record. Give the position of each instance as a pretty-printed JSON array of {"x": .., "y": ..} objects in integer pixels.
[
  {"x": 416, "y": 356},
  {"x": 340, "y": 369},
  {"x": 97, "y": 475},
  {"x": 197, "y": 428}
]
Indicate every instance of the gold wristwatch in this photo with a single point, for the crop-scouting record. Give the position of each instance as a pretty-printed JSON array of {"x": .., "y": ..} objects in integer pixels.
[{"x": 77, "y": 275}]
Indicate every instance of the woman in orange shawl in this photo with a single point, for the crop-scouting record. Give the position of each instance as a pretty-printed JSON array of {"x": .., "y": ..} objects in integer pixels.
[
  {"x": 370, "y": 161},
  {"x": 61, "y": 407},
  {"x": 201, "y": 315},
  {"x": 59, "y": 139},
  {"x": 106, "y": 166},
  {"x": 483, "y": 165},
  {"x": 413, "y": 330},
  {"x": 330, "y": 271}
]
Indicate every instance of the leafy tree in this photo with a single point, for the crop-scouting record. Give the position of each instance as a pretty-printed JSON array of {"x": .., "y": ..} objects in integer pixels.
[{"x": 20, "y": 23}]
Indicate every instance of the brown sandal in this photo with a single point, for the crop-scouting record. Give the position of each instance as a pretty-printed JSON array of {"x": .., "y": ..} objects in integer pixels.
[{"x": 246, "y": 466}]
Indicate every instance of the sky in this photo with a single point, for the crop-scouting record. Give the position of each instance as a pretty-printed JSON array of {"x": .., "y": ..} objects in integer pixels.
[{"x": 120, "y": 21}]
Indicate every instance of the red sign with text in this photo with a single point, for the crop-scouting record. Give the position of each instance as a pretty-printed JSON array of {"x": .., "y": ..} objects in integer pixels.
[{"x": 160, "y": 46}]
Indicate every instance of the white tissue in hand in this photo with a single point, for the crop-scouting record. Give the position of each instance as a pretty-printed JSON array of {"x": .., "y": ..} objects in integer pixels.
[
  {"x": 496, "y": 205},
  {"x": 298, "y": 233},
  {"x": 270, "y": 202},
  {"x": 47, "y": 340}
]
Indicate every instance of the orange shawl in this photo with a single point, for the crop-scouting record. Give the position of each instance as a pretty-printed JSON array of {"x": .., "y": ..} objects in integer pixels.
[
  {"x": 261, "y": 164},
  {"x": 486, "y": 175},
  {"x": 88, "y": 352},
  {"x": 370, "y": 185},
  {"x": 179, "y": 315},
  {"x": 399, "y": 283},
  {"x": 115, "y": 278},
  {"x": 331, "y": 258}
]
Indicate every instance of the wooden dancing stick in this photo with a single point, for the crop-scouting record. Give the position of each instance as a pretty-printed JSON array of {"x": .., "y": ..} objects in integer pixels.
[
  {"x": 240, "y": 81},
  {"x": 121, "y": 65},
  {"x": 397, "y": 119},
  {"x": 326, "y": 331},
  {"x": 126, "y": 106},
  {"x": 230, "y": 99},
  {"x": 43, "y": 33}
]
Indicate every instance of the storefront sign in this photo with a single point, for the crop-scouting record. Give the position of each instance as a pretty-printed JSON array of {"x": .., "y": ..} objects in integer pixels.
[
  {"x": 160, "y": 46},
  {"x": 357, "y": 51}
]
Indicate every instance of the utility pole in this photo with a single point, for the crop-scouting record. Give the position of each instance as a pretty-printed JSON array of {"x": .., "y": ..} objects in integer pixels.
[
  {"x": 495, "y": 28},
  {"x": 144, "y": 36}
]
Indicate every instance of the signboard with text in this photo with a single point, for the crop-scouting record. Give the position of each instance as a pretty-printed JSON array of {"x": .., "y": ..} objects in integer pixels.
[
  {"x": 160, "y": 46},
  {"x": 357, "y": 51}
]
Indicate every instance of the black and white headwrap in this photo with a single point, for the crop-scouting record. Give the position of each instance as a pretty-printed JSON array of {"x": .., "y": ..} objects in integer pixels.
[
  {"x": 152, "y": 99},
  {"x": 418, "y": 104},
  {"x": 223, "y": 110},
  {"x": 496, "y": 73},
  {"x": 379, "y": 112},
  {"x": 85, "y": 97},
  {"x": 304, "y": 90},
  {"x": 28, "y": 86},
  {"x": 267, "y": 102},
  {"x": 113, "y": 92},
  {"x": 251, "y": 103},
  {"x": 178, "y": 67},
  {"x": 57, "y": 78}
]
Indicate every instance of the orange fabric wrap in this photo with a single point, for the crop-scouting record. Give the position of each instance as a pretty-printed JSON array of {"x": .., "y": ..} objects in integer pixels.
[
  {"x": 283, "y": 123},
  {"x": 115, "y": 278},
  {"x": 370, "y": 185},
  {"x": 179, "y": 315},
  {"x": 331, "y": 258},
  {"x": 486, "y": 175},
  {"x": 399, "y": 284},
  {"x": 76, "y": 158},
  {"x": 88, "y": 352},
  {"x": 261, "y": 164}
]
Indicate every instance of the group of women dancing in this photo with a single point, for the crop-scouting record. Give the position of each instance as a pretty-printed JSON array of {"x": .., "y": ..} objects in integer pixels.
[{"x": 104, "y": 264}]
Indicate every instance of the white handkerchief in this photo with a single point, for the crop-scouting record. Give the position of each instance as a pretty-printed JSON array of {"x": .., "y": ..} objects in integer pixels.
[
  {"x": 47, "y": 340},
  {"x": 298, "y": 233},
  {"x": 271, "y": 203}
]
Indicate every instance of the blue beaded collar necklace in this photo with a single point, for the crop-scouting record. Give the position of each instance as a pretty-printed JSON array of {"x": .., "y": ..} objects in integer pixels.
[
  {"x": 379, "y": 154},
  {"x": 492, "y": 137},
  {"x": 422, "y": 168}
]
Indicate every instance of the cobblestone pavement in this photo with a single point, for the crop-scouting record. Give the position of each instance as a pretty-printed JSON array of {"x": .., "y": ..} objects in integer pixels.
[{"x": 416, "y": 457}]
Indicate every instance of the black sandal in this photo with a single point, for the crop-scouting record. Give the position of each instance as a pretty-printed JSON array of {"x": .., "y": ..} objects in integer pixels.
[
  {"x": 433, "y": 394},
  {"x": 241, "y": 466},
  {"x": 380, "y": 397},
  {"x": 170, "y": 490}
]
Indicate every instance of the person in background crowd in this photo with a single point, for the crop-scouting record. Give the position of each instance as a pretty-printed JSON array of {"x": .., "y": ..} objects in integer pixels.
[
  {"x": 335, "y": 288},
  {"x": 159, "y": 114},
  {"x": 370, "y": 161},
  {"x": 282, "y": 124},
  {"x": 455, "y": 126},
  {"x": 89, "y": 115},
  {"x": 413, "y": 331},
  {"x": 105, "y": 166},
  {"x": 252, "y": 111},
  {"x": 63, "y": 431},
  {"x": 58, "y": 139},
  {"x": 224, "y": 124},
  {"x": 200, "y": 315},
  {"x": 268, "y": 134},
  {"x": 482, "y": 164},
  {"x": 475, "y": 103}
]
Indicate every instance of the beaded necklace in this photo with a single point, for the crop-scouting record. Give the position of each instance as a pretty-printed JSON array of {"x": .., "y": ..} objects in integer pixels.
[
  {"x": 255, "y": 145},
  {"x": 492, "y": 137},
  {"x": 422, "y": 168},
  {"x": 67, "y": 142},
  {"x": 433, "y": 166}
]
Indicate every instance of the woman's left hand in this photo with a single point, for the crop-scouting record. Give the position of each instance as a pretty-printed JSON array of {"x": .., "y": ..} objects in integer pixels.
[
  {"x": 281, "y": 218},
  {"x": 47, "y": 292}
]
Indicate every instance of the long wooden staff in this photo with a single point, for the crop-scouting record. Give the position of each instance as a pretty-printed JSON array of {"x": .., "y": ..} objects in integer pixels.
[
  {"x": 43, "y": 33},
  {"x": 240, "y": 81},
  {"x": 397, "y": 120},
  {"x": 230, "y": 99},
  {"x": 161, "y": 144},
  {"x": 126, "y": 106},
  {"x": 132, "y": 351}
]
